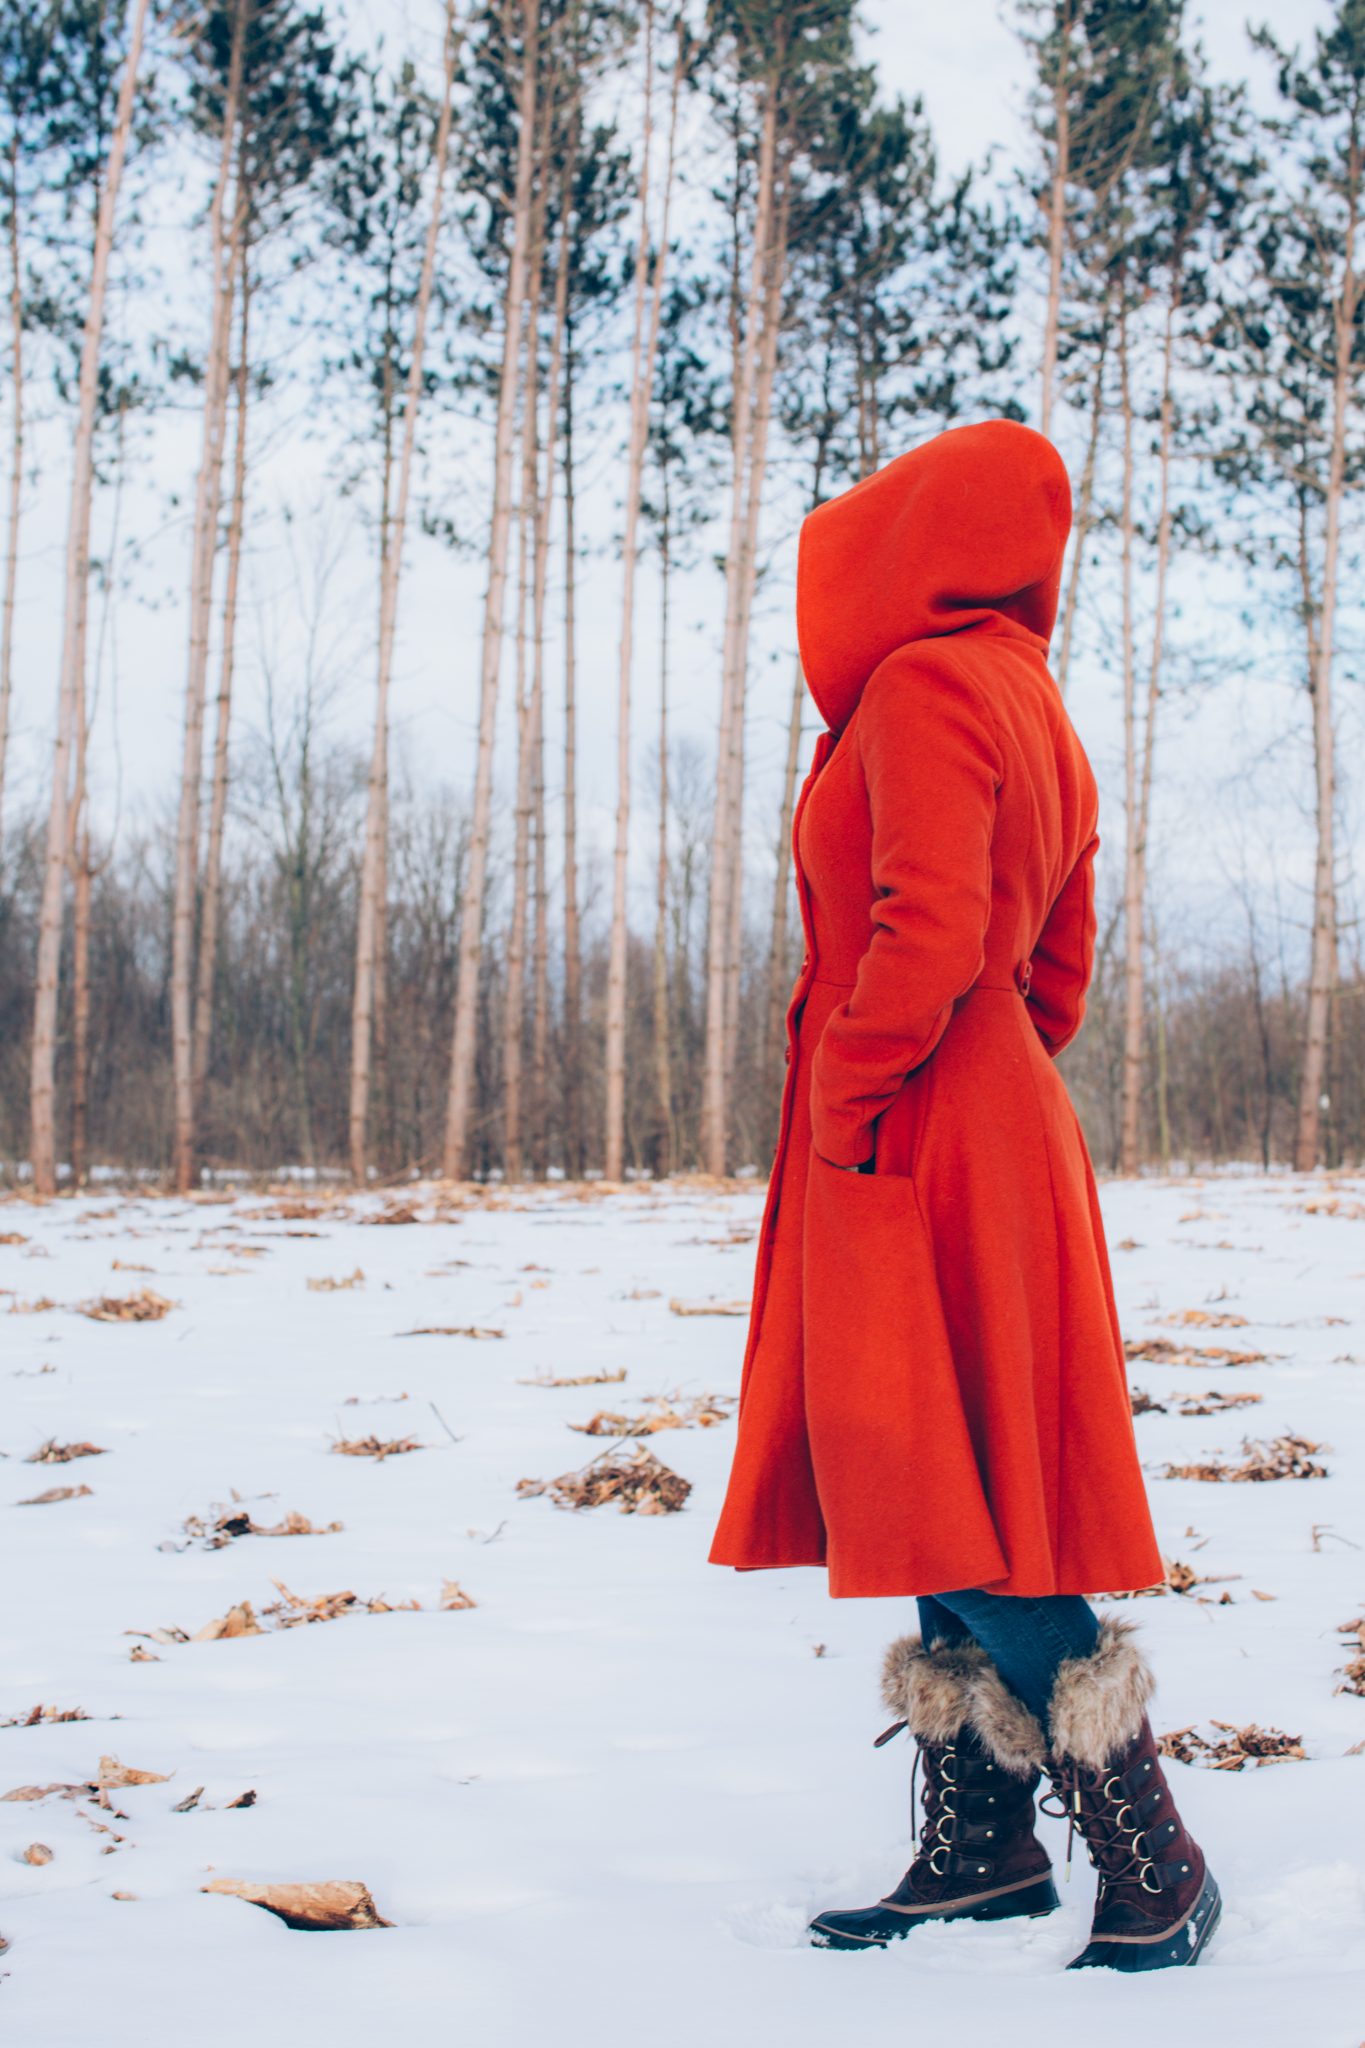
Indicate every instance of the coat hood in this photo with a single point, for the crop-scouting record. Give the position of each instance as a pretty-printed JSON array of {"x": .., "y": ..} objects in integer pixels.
[{"x": 967, "y": 530}]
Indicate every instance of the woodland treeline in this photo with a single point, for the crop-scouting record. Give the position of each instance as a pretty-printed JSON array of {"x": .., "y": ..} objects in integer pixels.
[{"x": 708, "y": 234}]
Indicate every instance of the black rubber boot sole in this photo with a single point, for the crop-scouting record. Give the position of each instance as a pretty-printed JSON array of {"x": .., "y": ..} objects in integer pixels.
[
  {"x": 877, "y": 1926},
  {"x": 1178, "y": 1950}
]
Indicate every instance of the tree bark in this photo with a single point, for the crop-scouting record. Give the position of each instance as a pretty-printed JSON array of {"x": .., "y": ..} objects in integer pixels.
[
  {"x": 374, "y": 865},
  {"x": 573, "y": 946},
  {"x": 663, "y": 1060},
  {"x": 1140, "y": 750},
  {"x": 211, "y": 913},
  {"x": 208, "y": 484},
  {"x": 715, "y": 1090},
  {"x": 16, "y": 470},
  {"x": 43, "y": 1143},
  {"x": 1085, "y": 507},
  {"x": 459, "y": 1101},
  {"x": 644, "y": 355},
  {"x": 1056, "y": 231},
  {"x": 1322, "y": 965}
]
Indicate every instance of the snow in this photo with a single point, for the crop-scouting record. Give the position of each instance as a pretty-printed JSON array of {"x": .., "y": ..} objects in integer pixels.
[{"x": 601, "y": 1804}]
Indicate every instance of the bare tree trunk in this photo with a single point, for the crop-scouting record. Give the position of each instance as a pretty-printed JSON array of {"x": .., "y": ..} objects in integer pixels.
[
  {"x": 573, "y": 948},
  {"x": 715, "y": 1090},
  {"x": 663, "y": 1061},
  {"x": 374, "y": 867},
  {"x": 777, "y": 943},
  {"x": 1132, "y": 868},
  {"x": 459, "y": 1101},
  {"x": 210, "y": 916},
  {"x": 208, "y": 483},
  {"x": 1056, "y": 225},
  {"x": 16, "y": 468},
  {"x": 1322, "y": 965},
  {"x": 514, "y": 1011},
  {"x": 44, "y": 1044},
  {"x": 540, "y": 968},
  {"x": 1085, "y": 510},
  {"x": 763, "y": 399},
  {"x": 644, "y": 355}
]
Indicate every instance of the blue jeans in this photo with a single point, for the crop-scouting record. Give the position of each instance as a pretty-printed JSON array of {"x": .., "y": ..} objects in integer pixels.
[{"x": 1026, "y": 1640}]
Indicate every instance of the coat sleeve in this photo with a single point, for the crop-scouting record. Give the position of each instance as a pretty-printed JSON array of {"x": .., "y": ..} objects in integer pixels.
[
  {"x": 932, "y": 765},
  {"x": 1064, "y": 956}
]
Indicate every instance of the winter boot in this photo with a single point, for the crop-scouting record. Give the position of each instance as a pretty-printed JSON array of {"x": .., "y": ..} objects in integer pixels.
[
  {"x": 1157, "y": 1903},
  {"x": 978, "y": 1856}
]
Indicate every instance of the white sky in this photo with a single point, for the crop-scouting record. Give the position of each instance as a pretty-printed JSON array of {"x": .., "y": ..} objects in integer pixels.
[{"x": 966, "y": 62}]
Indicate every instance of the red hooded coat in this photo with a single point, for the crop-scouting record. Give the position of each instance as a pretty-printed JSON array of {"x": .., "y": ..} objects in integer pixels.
[{"x": 934, "y": 1392}]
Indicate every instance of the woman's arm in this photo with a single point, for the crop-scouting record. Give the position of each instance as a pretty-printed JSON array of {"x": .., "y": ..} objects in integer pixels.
[
  {"x": 932, "y": 766},
  {"x": 1064, "y": 956}
]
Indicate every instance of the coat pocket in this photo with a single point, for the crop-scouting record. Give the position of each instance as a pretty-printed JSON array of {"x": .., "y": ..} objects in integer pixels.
[{"x": 904, "y": 1500}]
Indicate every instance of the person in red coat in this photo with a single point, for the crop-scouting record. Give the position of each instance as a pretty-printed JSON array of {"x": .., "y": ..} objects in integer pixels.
[{"x": 934, "y": 1399}]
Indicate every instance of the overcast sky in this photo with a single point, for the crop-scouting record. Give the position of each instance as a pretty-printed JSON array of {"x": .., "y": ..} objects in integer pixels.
[{"x": 966, "y": 62}]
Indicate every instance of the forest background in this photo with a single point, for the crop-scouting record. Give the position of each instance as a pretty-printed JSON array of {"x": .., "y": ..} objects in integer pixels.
[{"x": 410, "y": 414}]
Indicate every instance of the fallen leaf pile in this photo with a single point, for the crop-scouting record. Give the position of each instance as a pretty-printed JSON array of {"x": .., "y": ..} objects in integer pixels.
[
  {"x": 1284, "y": 1457},
  {"x": 576, "y": 1379},
  {"x": 145, "y": 1306},
  {"x": 1353, "y": 1674},
  {"x": 1183, "y": 1578},
  {"x": 394, "y": 1212},
  {"x": 222, "y": 1526},
  {"x": 112, "y": 1776},
  {"x": 708, "y": 1308},
  {"x": 1236, "y": 1748},
  {"x": 1162, "y": 1351},
  {"x": 702, "y": 1411},
  {"x": 1214, "y": 1403},
  {"x": 326, "y": 1286},
  {"x": 53, "y": 1453},
  {"x": 638, "y": 1483},
  {"x": 452, "y": 1330},
  {"x": 41, "y": 1307},
  {"x": 1209, "y": 1318},
  {"x": 40, "y": 1714},
  {"x": 335, "y": 1907},
  {"x": 294, "y": 1610},
  {"x": 375, "y": 1447}
]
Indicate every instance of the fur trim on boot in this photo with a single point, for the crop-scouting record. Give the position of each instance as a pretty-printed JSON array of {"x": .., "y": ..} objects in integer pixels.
[
  {"x": 1099, "y": 1701},
  {"x": 1003, "y": 1725},
  {"x": 928, "y": 1689}
]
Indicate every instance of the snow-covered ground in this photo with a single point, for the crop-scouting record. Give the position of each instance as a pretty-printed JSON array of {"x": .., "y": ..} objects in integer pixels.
[{"x": 600, "y": 1804}]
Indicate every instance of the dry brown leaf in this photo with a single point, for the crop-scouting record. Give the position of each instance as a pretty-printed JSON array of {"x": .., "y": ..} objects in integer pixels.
[
  {"x": 394, "y": 1212},
  {"x": 1181, "y": 1578},
  {"x": 145, "y": 1306},
  {"x": 12, "y": 1237},
  {"x": 41, "y": 1500},
  {"x": 37, "y": 1853},
  {"x": 336, "y": 1906},
  {"x": 53, "y": 1453},
  {"x": 125, "y": 1266},
  {"x": 222, "y": 1526},
  {"x": 1209, "y": 1318},
  {"x": 451, "y": 1330},
  {"x": 708, "y": 1308},
  {"x": 294, "y": 1610},
  {"x": 242, "y": 1799},
  {"x": 638, "y": 1483},
  {"x": 238, "y": 1621},
  {"x": 326, "y": 1286},
  {"x": 576, "y": 1379},
  {"x": 700, "y": 1411},
  {"x": 44, "y": 1715},
  {"x": 375, "y": 1447},
  {"x": 1234, "y": 1749},
  {"x": 1353, "y": 1673},
  {"x": 454, "y": 1599},
  {"x": 1141, "y": 1402},
  {"x": 1284, "y": 1457},
  {"x": 43, "y": 1306},
  {"x": 112, "y": 1774},
  {"x": 1214, "y": 1403},
  {"x": 1161, "y": 1351},
  {"x": 190, "y": 1801}
]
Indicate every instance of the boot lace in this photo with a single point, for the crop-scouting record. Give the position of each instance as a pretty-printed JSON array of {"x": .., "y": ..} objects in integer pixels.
[{"x": 1095, "y": 1807}]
